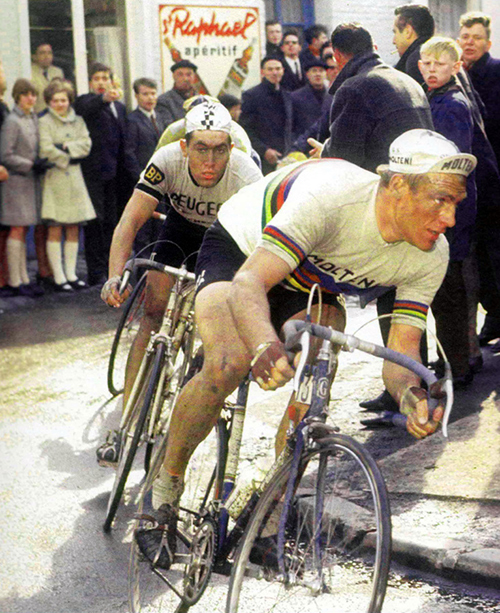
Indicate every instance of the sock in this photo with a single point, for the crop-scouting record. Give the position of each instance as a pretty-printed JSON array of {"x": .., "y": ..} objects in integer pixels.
[
  {"x": 14, "y": 248},
  {"x": 167, "y": 488},
  {"x": 55, "y": 260},
  {"x": 23, "y": 267},
  {"x": 70, "y": 256}
]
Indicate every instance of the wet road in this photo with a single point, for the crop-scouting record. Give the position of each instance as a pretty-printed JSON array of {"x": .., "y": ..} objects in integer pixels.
[{"x": 54, "y": 409}]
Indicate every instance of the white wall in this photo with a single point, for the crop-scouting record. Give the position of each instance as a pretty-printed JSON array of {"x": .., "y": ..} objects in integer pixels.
[
  {"x": 492, "y": 8},
  {"x": 376, "y": 17}
]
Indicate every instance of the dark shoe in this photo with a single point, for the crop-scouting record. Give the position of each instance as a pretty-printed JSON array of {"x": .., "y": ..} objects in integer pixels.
[
  {"x": 63, "y": 288},
  {"x": 46, "y": 282},
  {"x": 94, "y": 280},
  {"x": 384, "y": 402},
  {"x": 36, "y": 290},
  {"x": 23, "y": 290},
  {"x": 78, "y": 284},
  {"x": 388, "y": 419},
  {"x": 490, "y": 330},
  {"x": 460, "y": 383},
  {"x": 6, "y": 291},
  {"x": 108, "y": 453},
  {"x": 476, "y": 364},
  {"x": 159, "y": 542}
]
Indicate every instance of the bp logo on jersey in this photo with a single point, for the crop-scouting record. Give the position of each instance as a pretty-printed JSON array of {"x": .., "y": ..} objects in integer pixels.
[{"x": 154, "y": 175}]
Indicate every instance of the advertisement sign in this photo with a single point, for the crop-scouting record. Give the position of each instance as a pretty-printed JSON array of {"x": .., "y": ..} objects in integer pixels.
[{"x": 222, "y": 41}]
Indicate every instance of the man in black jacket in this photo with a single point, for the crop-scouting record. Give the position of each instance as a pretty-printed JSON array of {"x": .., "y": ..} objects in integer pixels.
[
  {"x": 373, "y": 103},
  {"x": 413, "y": 26},
  {"x": 267, "y": 115},
  {"x": 105, "y": 118},
  {"x": 484, "y": 72}
]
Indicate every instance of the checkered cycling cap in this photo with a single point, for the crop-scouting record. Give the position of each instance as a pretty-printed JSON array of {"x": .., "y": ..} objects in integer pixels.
[
  {"x": 421, "y": 151},
  {"x": 208, "y": 116}
]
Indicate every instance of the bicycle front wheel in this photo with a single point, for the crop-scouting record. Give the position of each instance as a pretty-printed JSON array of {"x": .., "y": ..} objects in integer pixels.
[
  {"x": 132, "y": 431},
  {"x": 152, "y": 589},
  {"x": 336, "y": 552},
  {"x": 124, "y": 336}
]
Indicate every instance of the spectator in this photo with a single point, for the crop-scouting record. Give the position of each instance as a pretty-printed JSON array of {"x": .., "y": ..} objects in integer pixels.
[
  {"x": 309, "y": 101},
  {"x": 293, "y": 77},
  {"x": 4, "y": 175},
  {"x": 232, "y": 104},
  {"x": 316, "y": 36},
  {"x": 373, "y": 104},
  {"x": 452, "y": 117},
  {"x": 21, "y": 193},
  {"x": 274, "y": 35},
  {"x": 43, "y": 71},
  {"x": 105, "y": 118},
  {"x": 267, "y": 115},
  {"x": 319, "y": 130},
  {"x": 484, "y": 72},
  {"x": 144, "y": 128},
  {"x": 170, "y": 104},
  {"x": 413, "y": 25},
  {"x": 64, "y": 141}
]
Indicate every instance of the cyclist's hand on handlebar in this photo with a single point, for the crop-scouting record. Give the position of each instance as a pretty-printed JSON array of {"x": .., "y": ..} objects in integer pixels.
[
  {"x": 414, "y": 405},
  {"x": 110, "y": 292},
  {"x": 270, "y": 366}
]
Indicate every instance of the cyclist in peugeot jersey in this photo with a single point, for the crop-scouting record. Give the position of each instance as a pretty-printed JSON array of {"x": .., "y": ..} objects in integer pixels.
[
  {"x": 197, "y": 174},
  {"x": 322, "y": 221}
]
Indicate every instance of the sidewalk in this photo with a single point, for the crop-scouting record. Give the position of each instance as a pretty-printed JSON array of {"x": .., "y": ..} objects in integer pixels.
[{"x": 445, "y": 498}]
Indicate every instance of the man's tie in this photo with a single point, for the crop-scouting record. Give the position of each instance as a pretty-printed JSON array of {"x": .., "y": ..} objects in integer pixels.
[
  {"x": 297, "y": 69},
  {"x": 46, "y": 73},
  {"x": 155, "y": 125}
]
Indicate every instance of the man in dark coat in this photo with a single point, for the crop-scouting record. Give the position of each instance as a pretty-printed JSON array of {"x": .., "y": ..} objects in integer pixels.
[
  {"x": 310, "y": 100},
  {"x": 315, "y": 36},
  {"x": 293, "y": 77},
  {"x": 105, "y": 117},
  {"x": 267, "y": 115},
  {"x": 373, "y": 103},
  {"x": 274, "y": 36},
  {"x": 413, "y": 25},
  {"x": 484, "y": 72},
  {"x": 170, "y": 104},
  {"x": 144, "y": 128}
]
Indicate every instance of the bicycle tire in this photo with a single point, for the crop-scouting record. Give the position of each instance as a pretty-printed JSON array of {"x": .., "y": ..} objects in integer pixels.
[
  {"x": 132, "y": 432},
  {"x": 330, "y": 568},
  {"x": 148, "y": 592},
  {"x": 124, "y": 335},
  {"x": 169, "y": 391}
]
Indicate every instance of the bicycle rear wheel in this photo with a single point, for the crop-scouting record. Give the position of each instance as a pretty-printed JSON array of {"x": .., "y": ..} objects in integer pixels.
[
  {"x": 152, "y": 589},
  {"x": 124, "y": 336},
  {"x": 132, "y": 431},
  {"x": 337, "y": 537}
]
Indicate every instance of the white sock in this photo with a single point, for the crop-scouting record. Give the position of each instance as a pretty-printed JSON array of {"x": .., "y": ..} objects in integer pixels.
[
  {"x": 13, "y": 249},
  {"x": 23, "y": 266},
  {"x": 70, "y": 257},
  {"x": 167, "y": 488},
  {"x": 55, "y": 259}
]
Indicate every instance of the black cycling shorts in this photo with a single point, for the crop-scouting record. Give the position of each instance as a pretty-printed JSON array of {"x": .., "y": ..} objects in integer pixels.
[
  {"x": 219, "y": 260},
  {"x": 179, "y": 241}
]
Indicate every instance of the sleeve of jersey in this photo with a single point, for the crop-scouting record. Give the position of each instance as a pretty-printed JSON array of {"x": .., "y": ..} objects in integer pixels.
[
  {"x": 295, "y": 229},
  {"x": 153, "y": 179},
  {"x": 414, "y": 297}
]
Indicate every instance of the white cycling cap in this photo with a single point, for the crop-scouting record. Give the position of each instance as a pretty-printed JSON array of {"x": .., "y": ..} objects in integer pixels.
[
  {"x": 208, "y": 116},
  {"x": 420, "y": 151}
]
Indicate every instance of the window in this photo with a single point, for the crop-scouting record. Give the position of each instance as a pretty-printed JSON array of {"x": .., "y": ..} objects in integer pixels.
[
  {"x": 446, "y": 14},
  {"x": 291, "y": 12}
]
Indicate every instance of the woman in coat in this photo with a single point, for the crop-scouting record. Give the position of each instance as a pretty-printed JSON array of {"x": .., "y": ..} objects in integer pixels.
[
  {"x": 64, "y": 141},
  {"x": 21, "y": 192}
]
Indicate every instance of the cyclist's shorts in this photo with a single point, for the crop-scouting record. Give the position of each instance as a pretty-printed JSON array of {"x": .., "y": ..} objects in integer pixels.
[
  {"x": 219, "y": 260},
  {"x": 179, "y": 241}
]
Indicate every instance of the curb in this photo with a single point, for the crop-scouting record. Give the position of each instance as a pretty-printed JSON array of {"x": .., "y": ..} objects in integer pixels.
[{"x": 449, "y": 557}]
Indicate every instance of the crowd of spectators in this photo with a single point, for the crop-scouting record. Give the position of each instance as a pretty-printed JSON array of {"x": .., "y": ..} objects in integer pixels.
[{"x": 68, "y": 163}]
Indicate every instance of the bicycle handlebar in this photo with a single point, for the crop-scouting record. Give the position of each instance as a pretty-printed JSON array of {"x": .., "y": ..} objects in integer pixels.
[
  {"x": 181, "y": 273},
  {"x": 295, "y": 329}
]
